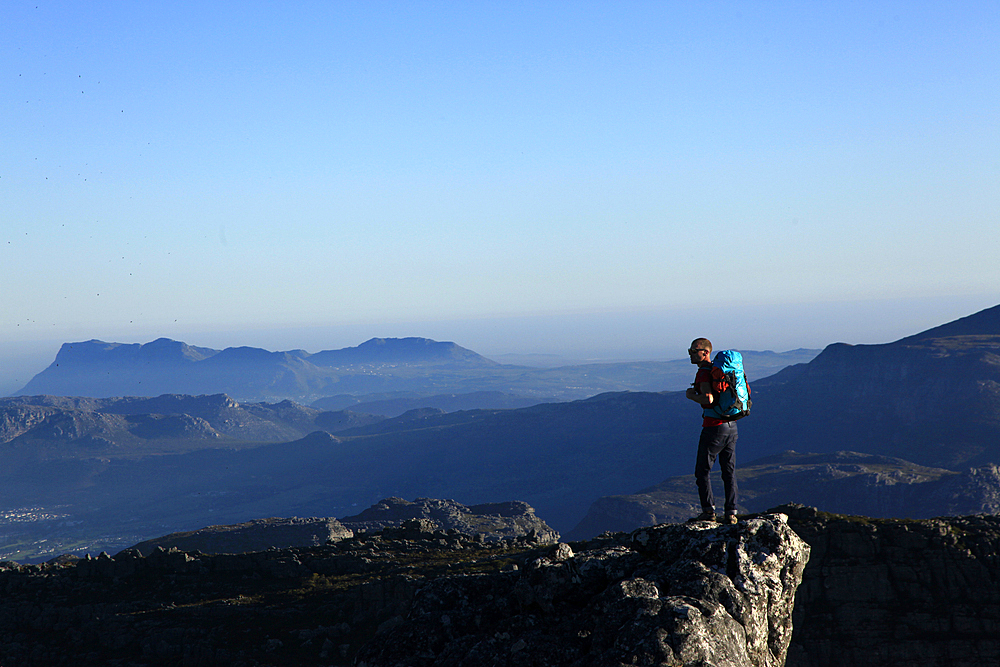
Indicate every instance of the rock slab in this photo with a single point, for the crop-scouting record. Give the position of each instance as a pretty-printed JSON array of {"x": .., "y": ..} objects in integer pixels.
[{"x": 257, "y": 535}]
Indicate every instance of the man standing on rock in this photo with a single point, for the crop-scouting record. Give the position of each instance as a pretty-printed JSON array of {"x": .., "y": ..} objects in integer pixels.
[{"x": 718, "y": 437}]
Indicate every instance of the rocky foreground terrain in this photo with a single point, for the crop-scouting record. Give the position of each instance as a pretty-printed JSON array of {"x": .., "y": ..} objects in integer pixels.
[
  {"x": 873, "y": 592},
  {"x": 673, "y": 594}
]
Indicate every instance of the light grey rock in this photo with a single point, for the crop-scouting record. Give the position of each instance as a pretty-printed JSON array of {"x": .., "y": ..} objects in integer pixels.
[{"x": 494, "y": 521}]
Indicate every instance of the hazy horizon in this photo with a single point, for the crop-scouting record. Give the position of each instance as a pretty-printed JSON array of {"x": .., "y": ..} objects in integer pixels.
[{"x": 576, "y": 337}]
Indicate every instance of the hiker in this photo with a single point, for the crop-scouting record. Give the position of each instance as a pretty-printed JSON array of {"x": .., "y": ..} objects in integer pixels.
[{"x": 718, "y": 437}]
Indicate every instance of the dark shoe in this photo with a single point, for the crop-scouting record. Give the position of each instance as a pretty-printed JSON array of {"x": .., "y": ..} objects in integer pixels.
[
  {"x": 706, "y": 515},
  {"x": 729, "y": 518}
]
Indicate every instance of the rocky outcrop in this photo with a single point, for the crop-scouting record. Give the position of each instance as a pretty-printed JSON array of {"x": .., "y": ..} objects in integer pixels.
[
  {"x": 894, "y": 593},
  {"x": 671, "y": 595},
  {"x": 494, "y": 521},
  {"x": 695, "y": 594},
  {"x": 259, "y": 535}
]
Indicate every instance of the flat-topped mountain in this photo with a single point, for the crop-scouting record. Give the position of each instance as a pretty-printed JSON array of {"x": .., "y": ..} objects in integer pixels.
[
  {"x": 380, "y": 368},
  {"x": 401, "y": 351},
  {"x": 164, "y": 366}
]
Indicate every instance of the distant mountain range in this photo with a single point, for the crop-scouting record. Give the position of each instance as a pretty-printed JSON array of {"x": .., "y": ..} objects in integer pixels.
[
  {"x": 931, "y": 400},
  {"x": 52, "y": 427},
  {"x": 164, "y": 366},
  {"x": 381, "y": 369}
]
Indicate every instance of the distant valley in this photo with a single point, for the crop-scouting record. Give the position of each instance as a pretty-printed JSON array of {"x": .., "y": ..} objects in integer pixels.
[{"x": 920, "y": 417}]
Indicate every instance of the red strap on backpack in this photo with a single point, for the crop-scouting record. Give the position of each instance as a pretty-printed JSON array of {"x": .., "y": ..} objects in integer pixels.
[{"x": 719, "y": 383}]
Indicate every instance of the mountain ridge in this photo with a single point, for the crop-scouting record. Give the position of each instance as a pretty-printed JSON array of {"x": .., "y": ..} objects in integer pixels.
[
  {"x": 380, "y": 366},
  {"x": 926, "y": 398}
]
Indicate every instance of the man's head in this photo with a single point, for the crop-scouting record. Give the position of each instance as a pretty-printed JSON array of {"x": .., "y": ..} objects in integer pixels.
[{"x": 700, "y": 351}]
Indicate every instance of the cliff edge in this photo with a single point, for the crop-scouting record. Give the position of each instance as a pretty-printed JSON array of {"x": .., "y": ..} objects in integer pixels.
[{"x": 687, "y": 594}]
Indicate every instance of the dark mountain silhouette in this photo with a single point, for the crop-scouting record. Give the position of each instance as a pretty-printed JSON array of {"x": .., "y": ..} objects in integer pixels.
[
  {"x": 984, "y": 323},
  {"x": 932, "y": 398}
]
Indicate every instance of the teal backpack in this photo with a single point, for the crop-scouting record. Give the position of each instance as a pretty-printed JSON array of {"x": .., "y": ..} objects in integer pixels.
[{"x": 729, "y": 384}]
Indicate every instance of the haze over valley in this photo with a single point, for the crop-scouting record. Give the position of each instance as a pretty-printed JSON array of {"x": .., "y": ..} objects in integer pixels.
[{"x": 101, "y": 472}]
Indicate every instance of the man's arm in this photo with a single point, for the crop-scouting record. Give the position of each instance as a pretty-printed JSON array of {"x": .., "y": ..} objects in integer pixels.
[{"x": 703, "y": 395}]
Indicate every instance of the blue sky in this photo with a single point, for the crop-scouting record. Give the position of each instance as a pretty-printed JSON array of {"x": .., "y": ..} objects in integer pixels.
[{"x": 585, "y": 178}]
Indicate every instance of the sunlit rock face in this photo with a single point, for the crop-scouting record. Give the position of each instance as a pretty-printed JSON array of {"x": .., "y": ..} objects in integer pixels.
[{"x": 669, "y": 595}]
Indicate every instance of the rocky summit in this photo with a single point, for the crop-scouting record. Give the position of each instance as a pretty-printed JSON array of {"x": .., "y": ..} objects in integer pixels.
[
  {"x": 489, "y": 522},
  {"x": 668, "y": 595},
  {"x": 494, "y": 521}
]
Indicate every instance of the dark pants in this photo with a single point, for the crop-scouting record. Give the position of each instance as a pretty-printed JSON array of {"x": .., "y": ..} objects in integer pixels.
[{"x": 717, "y": 442}]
